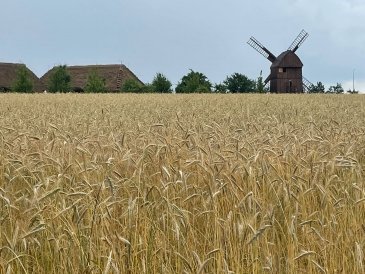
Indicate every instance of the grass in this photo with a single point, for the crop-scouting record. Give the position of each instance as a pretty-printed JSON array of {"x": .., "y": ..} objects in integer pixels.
[{"x": 182, "y": 183}]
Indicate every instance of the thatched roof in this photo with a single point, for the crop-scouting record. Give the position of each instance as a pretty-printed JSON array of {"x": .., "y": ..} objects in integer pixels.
[
  {"x": 8, "y": 75},
  {"x": 114, "y": 75}
]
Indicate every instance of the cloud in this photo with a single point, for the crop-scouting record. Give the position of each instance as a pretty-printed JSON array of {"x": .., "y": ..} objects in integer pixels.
[
  {"x": 173, "y": 36},
  {"x": 339, "y": 19}
]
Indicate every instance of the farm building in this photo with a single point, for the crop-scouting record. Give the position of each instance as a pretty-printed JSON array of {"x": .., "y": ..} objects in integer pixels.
[
  {"x": 8, "y": 76},
  {"x": 114, "y": 76}
]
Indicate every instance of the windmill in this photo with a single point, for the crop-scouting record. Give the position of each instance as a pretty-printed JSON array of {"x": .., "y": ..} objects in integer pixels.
[{"x": 286, "y": 69}]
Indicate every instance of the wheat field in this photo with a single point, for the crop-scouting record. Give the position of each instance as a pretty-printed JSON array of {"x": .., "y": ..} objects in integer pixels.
[{"x": 182, "y": 183}]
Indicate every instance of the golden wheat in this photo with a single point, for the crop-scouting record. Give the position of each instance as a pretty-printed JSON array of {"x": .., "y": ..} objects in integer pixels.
[{"x": 182, "y": 183}]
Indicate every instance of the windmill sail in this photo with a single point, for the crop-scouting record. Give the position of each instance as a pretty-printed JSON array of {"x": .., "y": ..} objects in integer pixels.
[
  {"x": 268, "y": 79},
  {"x": 298, "y": 41},
  {"x": 261, "y": 49},
  {"x": 306, "y": 84}
]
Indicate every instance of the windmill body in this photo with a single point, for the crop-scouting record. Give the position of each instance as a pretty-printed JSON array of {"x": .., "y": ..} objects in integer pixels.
[
  {"x": 286, "y": 69},
  {"x": 286, "y": 74}
]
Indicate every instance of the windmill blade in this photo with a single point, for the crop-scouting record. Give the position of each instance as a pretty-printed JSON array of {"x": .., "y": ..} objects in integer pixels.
[
  {"x": 261, "y": 49},
  {"x": 298, "y": 41},
  {"x": 267, "y": 79},
  {"x": 306, "y": 84}
]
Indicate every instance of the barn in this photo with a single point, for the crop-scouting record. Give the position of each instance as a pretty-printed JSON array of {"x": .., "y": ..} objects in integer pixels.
[
  {"x": 114, "y": 75},
  {"x": 8, "y": 76}
]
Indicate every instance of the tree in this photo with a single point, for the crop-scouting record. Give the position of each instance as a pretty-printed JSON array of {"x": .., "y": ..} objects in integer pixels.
[
  {"x": 220, "y": 88},
  {"x": 260, "y": 86},
  {"x": 131, "y": 85},
  {"x": 317, "y": 88},
  {"x": 239, "y": 83},
  {"x": 351, "y": 91},
  {"x": 194, "y": 82},
  {"x": 23, "y": 83},
  {"x": 160, "y": 83},
  {"x": 147, "y": 88},
  {"x": 336, "y": 89},
  {"x": 95, "y": 83},
  {"x": 60, "y": 80}
]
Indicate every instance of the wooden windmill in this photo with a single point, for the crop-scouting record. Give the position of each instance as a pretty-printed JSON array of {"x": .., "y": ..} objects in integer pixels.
[{"x": 286, "y": 69}]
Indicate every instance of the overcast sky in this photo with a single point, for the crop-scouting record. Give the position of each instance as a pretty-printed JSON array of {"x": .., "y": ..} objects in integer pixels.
[{"x": 173, "y": 36}]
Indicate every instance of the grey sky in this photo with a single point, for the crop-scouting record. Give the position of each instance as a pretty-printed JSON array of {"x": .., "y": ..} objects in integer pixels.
[{"x": 172, "y": 36}]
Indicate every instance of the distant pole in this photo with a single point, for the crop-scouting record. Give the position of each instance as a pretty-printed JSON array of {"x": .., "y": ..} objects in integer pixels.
[{"x": 353, "y": 80}]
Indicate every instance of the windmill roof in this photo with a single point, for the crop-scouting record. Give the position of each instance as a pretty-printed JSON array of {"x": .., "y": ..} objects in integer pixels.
[
  {"x": 9, "y": 72},
  {"x": 287, "y": 59},
  {"x": 79, "y": 75}
]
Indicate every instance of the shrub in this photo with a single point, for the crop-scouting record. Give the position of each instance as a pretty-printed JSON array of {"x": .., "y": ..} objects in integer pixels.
[
  {"x": 131, "y": 85},
  {"x": 23, "y": 83},
  {"x": 238, "y": 83},
  {"x": 95, "y": 83},
  {"x": 194, "y": 82},
  {"x": 160, "y": 83},
  {"x": 60, "y": 80}
]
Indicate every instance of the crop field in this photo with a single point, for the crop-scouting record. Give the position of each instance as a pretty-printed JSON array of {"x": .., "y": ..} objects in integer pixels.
[{"x": 128, "y": 183}]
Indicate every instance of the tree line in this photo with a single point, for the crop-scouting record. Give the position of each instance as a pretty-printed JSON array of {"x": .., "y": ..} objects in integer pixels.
[
  {"x": 320, "y": 88},
  {"x": 192, "y": 82}
]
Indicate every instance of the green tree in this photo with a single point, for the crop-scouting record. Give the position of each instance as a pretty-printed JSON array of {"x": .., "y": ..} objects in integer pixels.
[
  {"x": 23, "y": 83},
  {"x": 194, "y": 82},
  {"x": 147, "y": 88},
  {"x": 131, "y": 85},
  {"x": 60, "y": 80},
  {"x": 351, "y": 91},
  {"x": 160, "y": 83},
  {"x": 95, "y": 83},
  {"x": 317, "y": 88},
  {"x": 239, "y": 83},
  {"x": 336, "y": 89},
  {"x": 260, "y": 86},
  {"x": 221, "y": 88}
]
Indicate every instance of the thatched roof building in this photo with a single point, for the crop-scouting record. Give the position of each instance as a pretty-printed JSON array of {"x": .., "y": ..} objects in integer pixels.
[
  {"x": 114, "y": 76},
  {"x": 8, "y": 76}
]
